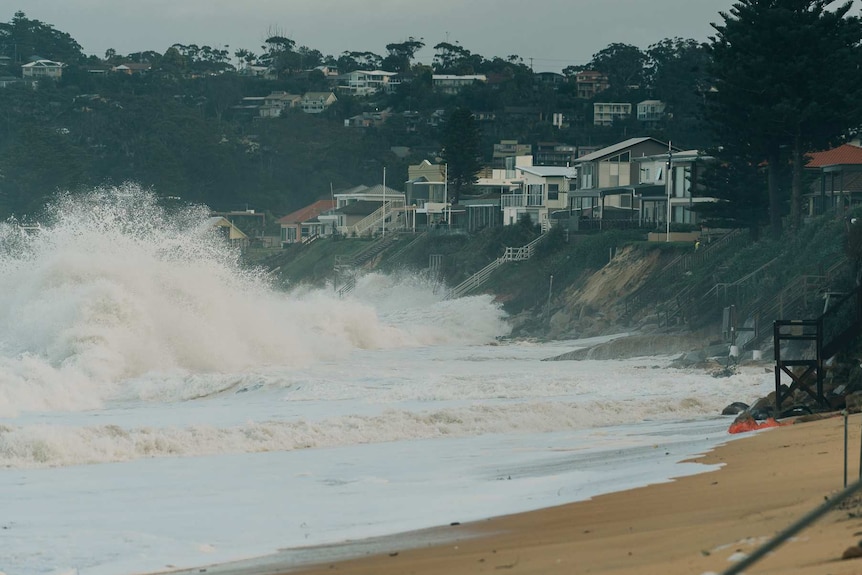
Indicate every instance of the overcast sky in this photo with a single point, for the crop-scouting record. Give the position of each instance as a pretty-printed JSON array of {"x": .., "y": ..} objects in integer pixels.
[{"x": 550, "y": 34}]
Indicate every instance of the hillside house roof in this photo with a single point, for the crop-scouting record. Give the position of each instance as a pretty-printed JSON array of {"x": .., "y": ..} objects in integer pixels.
[
  {"x": 307, "y": 213},
  {"x": 610, "y": 150},
  {"x": 359, "y": 208},
  {"x": 548, "y": 171},
  {"x": 846, "y": 154}
]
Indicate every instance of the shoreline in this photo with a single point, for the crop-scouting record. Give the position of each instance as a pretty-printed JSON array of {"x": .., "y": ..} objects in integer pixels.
[{"x": 697, "y": 524}]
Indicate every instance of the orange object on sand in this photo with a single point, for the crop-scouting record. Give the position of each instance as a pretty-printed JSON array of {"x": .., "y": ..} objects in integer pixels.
[{"x": 751, "y": 424}]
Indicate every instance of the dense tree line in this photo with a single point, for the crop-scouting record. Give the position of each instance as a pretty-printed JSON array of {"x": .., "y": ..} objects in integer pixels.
[
  {"x": 777, "y": 80},
  {"x": 177, "y": 130},
  {"x": 785, "y": 78}
]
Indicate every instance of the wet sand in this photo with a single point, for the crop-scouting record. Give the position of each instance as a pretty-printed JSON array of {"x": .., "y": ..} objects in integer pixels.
[{"x": 693, "y": 525}]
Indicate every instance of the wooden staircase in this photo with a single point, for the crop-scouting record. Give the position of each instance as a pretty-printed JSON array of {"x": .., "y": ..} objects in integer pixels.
[{"x": 481, "y": 276}]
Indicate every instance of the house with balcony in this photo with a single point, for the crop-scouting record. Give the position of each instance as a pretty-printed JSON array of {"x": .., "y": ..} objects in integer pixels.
[
  {"x": 608, "y": 179},
  {"x": 307, "y": 223},
  {"x": 426, "y": 182},
  {"x": 504, "y": 179},
  {"x": 554, "y": 154},
  {"x": 42, "y": 69},
  {"x": 667, "y": 186},
  {"x": 277, "y": 102},
  {"x": 638, "y": 182},
  {"x": 542, "y": 191},
  {"x": 507, "y": 149},
  {"x": 588, "y": 83},
  {"x": 606, "y": 113},
  {"x": 317, "y": 102},
  {"x": 650, "y": 112},
  {"x": 367, "y": 82},
  {"x": 368, "y": 210}
]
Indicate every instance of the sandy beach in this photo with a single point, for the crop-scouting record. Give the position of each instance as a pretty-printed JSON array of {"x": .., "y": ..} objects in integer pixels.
[{"x": 694, "y": 525}]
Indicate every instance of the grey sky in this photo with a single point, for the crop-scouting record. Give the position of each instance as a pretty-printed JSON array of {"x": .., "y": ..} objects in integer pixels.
[{"x": 554, "y": 33}]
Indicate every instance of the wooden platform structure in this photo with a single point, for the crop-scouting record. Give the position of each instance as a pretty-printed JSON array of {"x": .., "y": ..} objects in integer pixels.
[{"x": 820, "y": 339}]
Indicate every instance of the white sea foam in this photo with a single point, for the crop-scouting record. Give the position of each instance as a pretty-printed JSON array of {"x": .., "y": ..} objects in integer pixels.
[
  {"x": 230, "y": 420},
  {"x": 115, "y": 287}
]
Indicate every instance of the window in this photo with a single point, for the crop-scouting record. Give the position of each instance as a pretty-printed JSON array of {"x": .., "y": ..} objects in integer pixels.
[
  {"x": 614, "y": 174},
  {"x": 553, "y": 191},
  {"x": 534, "y": 194},
  {"x": 587, "y": 176}
]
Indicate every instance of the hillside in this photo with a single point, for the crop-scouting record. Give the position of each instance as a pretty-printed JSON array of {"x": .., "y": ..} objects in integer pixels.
[{"x": 587, "y": 285}]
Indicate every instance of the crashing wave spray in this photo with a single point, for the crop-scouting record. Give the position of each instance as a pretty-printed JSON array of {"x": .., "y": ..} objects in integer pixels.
[{"x": 116, "y": 288}]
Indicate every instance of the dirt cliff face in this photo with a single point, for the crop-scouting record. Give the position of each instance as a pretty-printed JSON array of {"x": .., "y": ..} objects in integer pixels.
[{"x": 596, "y": 307}]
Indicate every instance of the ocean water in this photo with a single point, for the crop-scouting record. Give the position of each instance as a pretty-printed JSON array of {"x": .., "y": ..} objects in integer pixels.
[{"x": 162, "y": 407}]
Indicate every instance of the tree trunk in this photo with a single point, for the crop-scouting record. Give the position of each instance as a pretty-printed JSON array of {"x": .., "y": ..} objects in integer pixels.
[
  {"x": 796, "y": 185},
  {"x": 774, "y": 193}
]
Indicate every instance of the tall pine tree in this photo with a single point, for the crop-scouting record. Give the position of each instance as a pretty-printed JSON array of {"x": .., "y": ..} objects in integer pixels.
[
  {"x": 461, "y": 151},
  {"x": 785, "y": 82}
]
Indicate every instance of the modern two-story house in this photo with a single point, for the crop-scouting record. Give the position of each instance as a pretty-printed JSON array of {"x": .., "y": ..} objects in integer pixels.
[
  {"x": 608, "y": 177},
  {"x": 367, "y": 82},
  {"x": 640, "y": 180}
]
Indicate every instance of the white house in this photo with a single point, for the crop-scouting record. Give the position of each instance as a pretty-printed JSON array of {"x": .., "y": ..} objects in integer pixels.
[
  {"x": 42, "y": 69},
  {"x": 543, "y": 190},
  {"x": 650, "y": 111},
  {"x": 605, "y": 113},
  {"x": 367, "y": 82},
  {"x": 317, "y": 102}
]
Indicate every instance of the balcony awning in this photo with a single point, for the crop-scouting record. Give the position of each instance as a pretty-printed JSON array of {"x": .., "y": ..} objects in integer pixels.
[{"x": 645, "y": 191}]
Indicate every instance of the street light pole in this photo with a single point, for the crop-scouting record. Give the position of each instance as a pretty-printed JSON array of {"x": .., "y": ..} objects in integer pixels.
[
  {"x": 668, "y": 185},
  {"x": 384, "y": 202},
  {"x": 446, "y": 194}
]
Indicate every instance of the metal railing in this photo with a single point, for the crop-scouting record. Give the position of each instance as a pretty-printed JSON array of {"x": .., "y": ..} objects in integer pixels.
[
  {"x": 521, "y": 200},
  {"x": 371, "y": 222},
  {"x": 480, "y": 277}
]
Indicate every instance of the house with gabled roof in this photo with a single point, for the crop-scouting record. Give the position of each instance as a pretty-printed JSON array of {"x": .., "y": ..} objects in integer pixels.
[
  {"x": 839, "y": 179},
  {"x": 276, "y": 102},
  {"x": 306, "y": 223},
  {"x": 228, "y": 230},
  {"x": 609, "y": 181},
  {"x": 367, "y": 210},
  {"x": 541, "y": 191},
  {"x": 317, "y": 102},
  {"x": 40, "y": 69}
]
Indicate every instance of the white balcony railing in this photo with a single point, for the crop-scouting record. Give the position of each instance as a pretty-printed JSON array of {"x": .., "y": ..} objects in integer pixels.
[{"x": 521, "y": 200}]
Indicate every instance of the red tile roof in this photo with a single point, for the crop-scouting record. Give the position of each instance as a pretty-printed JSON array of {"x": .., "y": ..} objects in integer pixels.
[
  {"x": 308, "y": 212},
  {"x": 842, "y": 155}
]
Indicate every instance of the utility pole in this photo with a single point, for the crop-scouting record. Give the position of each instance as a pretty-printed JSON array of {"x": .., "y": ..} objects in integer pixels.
[{"x": 669, "y": 186}]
